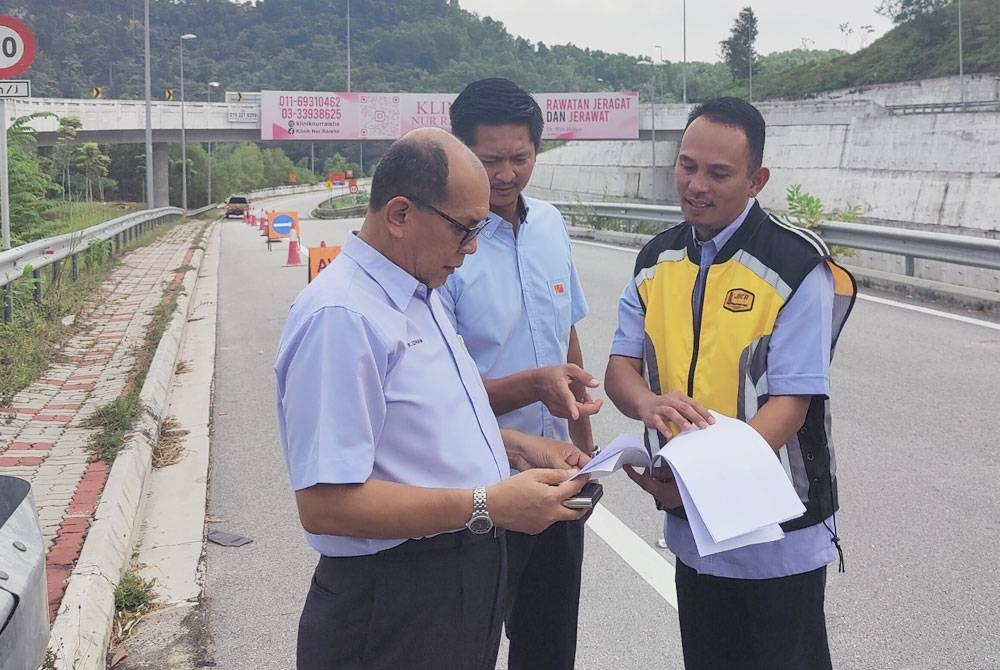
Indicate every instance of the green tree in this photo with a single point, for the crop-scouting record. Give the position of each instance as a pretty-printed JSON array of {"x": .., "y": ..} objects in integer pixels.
[
  {"x": 62, "y": 152},
  {"x": 738, "y": 50},
  {"x": 902, "y": 11},
  {"x": 27, "y": 180},
  {"x": 93, "y": 165}
]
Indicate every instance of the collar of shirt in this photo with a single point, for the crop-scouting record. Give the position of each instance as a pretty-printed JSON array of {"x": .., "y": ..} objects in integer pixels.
[
  {"x": 397, "y": 283},
  {"x": 495, "y": 220},
  {"x": 710, "y": 248}
]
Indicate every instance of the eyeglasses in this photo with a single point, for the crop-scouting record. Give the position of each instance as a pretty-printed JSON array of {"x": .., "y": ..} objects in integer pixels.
[{"x": 468, "y": 232}]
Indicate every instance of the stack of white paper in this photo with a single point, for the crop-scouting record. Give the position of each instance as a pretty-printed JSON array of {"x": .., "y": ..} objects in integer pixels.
[{"x": 734, "y": 490}]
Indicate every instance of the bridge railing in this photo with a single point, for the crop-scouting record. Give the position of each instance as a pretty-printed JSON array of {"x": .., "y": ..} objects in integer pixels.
[{"x": 945, "y": 247}]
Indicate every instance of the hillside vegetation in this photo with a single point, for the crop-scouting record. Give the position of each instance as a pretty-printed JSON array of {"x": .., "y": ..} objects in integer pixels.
[{"x": 432, "y": 45}]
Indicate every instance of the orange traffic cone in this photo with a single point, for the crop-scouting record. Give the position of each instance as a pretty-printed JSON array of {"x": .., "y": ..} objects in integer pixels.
[
  {"x": 263, "y": 226},
  {"x": 293, "y": 251}
]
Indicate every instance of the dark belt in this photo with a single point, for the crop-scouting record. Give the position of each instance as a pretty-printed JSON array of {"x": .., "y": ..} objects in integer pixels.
[{"x": 442, "y": 542}]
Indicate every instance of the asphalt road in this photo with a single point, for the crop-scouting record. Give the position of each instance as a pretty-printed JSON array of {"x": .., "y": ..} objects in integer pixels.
[{"x": 915, "y": 399}]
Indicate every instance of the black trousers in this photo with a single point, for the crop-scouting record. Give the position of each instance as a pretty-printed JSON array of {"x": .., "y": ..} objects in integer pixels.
[
  {"x": 424, "y": 605},
  {"x": 543, "y": 592},
  {"x": 752, "y": 624}
]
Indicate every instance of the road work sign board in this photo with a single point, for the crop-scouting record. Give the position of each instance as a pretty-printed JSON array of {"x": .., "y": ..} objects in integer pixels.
[
  {"x": 319, "y": 258},
  {"x": 280, "y": 224}
]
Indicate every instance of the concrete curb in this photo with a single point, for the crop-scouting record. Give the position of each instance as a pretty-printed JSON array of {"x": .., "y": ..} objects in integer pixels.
[
  {"x": 81, "y": 631},
  {"x": 946, "y": 295}
]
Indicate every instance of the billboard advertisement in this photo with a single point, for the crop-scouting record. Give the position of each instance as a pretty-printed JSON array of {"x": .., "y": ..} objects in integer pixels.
[{"x": 316, "y": 116}]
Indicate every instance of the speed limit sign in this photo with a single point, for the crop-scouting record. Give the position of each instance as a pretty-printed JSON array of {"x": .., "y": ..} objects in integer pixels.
[{"x": 17, "y": 47}]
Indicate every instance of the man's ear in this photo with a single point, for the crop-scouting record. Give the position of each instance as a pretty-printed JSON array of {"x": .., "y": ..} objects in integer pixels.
[
  {"x": 758, "y": 180},
  {"x": 395, "y": 214}
]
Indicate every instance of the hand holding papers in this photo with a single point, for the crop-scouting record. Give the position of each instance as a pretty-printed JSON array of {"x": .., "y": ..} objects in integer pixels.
[{"x": 734, "y": 490}]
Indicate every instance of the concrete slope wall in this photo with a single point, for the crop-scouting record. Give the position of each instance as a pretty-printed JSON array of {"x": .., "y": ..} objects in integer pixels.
[
  {"x": 920, "y": 170},
  {"x": 978, "y": 87}
]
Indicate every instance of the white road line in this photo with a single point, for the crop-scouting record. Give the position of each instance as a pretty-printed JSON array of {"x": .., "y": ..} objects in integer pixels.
[
  {"x": 605, "y": 246},
  {"x": 646, "y": 561},
  {"x": 932, "y": 312},
  {"x": 863, "y": 296}
]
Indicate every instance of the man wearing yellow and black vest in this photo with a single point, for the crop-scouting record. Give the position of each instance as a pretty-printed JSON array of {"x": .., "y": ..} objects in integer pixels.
[{"x": 737, "y": 311}]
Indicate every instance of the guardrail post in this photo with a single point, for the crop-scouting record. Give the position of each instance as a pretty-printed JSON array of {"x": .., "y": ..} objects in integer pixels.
[
  {"x": 56, "y": 272},
  {"x": 74, "y": 267},
  {"x": 36, "y": 276},
  {"x": 910, "y": 270},
  {"x": 8, "y": 302}
]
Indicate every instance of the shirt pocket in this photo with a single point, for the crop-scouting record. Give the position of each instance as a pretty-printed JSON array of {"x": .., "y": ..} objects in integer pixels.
[{"x": 562, "y": 305}]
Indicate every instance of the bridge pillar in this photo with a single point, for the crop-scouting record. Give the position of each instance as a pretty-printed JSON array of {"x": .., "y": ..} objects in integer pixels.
[{"x": 161, "y": 175}]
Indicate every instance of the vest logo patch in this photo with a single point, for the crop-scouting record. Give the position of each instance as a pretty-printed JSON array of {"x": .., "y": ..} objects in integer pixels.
[
  {"x": 558, "y": 288},
  {"x": 739, "y": 300}
]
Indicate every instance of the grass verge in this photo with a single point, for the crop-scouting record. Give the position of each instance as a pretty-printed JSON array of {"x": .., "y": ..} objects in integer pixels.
[{"x": 37, "y": 331}]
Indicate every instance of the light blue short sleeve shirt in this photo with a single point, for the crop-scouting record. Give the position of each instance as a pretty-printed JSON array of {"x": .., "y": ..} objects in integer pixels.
[
  {"x": 514, "y": 301},
  {"x": 798, "y": 364},
  {"x": 374, "y": 383}
]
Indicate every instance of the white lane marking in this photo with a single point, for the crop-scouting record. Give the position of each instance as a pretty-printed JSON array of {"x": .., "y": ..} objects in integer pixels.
[
  {"x": 862, "y": 296},
  {"x": 606, "y": 246},
  {"x": 932, "y": 312},
  {"x": 646, "y": 561}
]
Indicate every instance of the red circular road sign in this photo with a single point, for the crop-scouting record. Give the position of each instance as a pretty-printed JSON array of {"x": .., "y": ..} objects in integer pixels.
[{"x": 17, "y": 47}]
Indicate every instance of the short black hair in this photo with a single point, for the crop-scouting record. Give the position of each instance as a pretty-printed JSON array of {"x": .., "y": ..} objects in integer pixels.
[
  {"x": 411, "y": 167},
  {"x": 741, "y": 114},
  {"x": 494, "y": 102}
]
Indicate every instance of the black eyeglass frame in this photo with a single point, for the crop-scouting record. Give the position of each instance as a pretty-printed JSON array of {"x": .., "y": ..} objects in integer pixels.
[{"x": 468, "y": 232}]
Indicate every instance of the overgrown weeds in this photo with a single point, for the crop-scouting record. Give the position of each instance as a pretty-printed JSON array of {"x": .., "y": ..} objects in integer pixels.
[
  {"x": 169, "y": 448},
  {"x": 133, "y": 599}
]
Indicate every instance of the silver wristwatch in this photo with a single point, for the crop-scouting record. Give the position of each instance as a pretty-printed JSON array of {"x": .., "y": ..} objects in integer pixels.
[{"x": 480, "y": 522}]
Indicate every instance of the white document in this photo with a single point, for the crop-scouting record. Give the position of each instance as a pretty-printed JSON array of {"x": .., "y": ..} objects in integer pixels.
[{"x": 734, "y": 489}]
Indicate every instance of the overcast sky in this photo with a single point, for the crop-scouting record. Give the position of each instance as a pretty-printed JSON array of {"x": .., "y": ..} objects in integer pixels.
[{"x": 635, "y": 26}]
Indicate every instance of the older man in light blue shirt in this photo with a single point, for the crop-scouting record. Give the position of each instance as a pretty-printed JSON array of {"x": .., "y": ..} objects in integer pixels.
[{"x": 399, "y": 468}]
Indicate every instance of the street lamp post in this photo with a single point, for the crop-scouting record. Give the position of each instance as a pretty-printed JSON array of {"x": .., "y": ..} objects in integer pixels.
[
  {"x": 184, "y": 169},
  {"x": 684, "y": 41},
  {"x": 749, "y": 64},
  {"x": 652, "y": 123},
  {"x": 961, "y": 65},
  {"x": 149, "y": 121},
  {"x": 211, "y": 85}
]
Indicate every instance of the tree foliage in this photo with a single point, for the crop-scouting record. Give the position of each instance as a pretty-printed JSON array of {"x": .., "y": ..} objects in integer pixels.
[
  {"x": 738, "y": 50},
  {"x": 901, "y": 11}
]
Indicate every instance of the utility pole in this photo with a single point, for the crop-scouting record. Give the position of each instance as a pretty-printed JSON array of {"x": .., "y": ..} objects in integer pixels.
[{"x": 749, "y": 64}]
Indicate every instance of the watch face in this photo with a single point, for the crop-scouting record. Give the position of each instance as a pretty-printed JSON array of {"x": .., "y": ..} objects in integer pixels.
[{"x": 480, "y": 524}]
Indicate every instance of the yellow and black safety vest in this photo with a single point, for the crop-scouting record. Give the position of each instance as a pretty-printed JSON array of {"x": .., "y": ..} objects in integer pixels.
[{"x": 720, "y": 359}]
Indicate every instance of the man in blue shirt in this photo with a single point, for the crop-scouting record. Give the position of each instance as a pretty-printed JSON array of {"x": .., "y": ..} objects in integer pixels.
[
  {"x": 515, "y": 304},
  {"x": 399, "y": 468},
  {"x": 737, "y": 311}
]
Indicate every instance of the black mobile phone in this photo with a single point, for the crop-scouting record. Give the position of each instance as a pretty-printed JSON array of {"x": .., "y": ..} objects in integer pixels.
[{"x": 587, "y": 497}]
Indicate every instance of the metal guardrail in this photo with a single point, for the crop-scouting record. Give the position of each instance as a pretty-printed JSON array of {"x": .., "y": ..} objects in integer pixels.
[
  {"x": 49, "y": 252},
  {"x": 944, "y": 247},
  {"x": 946, "y": 107}
]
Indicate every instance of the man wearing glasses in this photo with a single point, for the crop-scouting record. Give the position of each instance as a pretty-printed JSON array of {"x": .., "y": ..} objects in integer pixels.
[
  {"x": 401, "y": 473},
  {"x": 515, "y": 304}
]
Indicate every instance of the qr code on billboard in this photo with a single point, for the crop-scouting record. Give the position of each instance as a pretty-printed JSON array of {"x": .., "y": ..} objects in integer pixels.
[{"x": 380, "y": 116}]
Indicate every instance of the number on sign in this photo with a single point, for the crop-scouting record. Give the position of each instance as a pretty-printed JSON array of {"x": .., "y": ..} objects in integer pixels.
[{"x": 9, "y": 47}]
